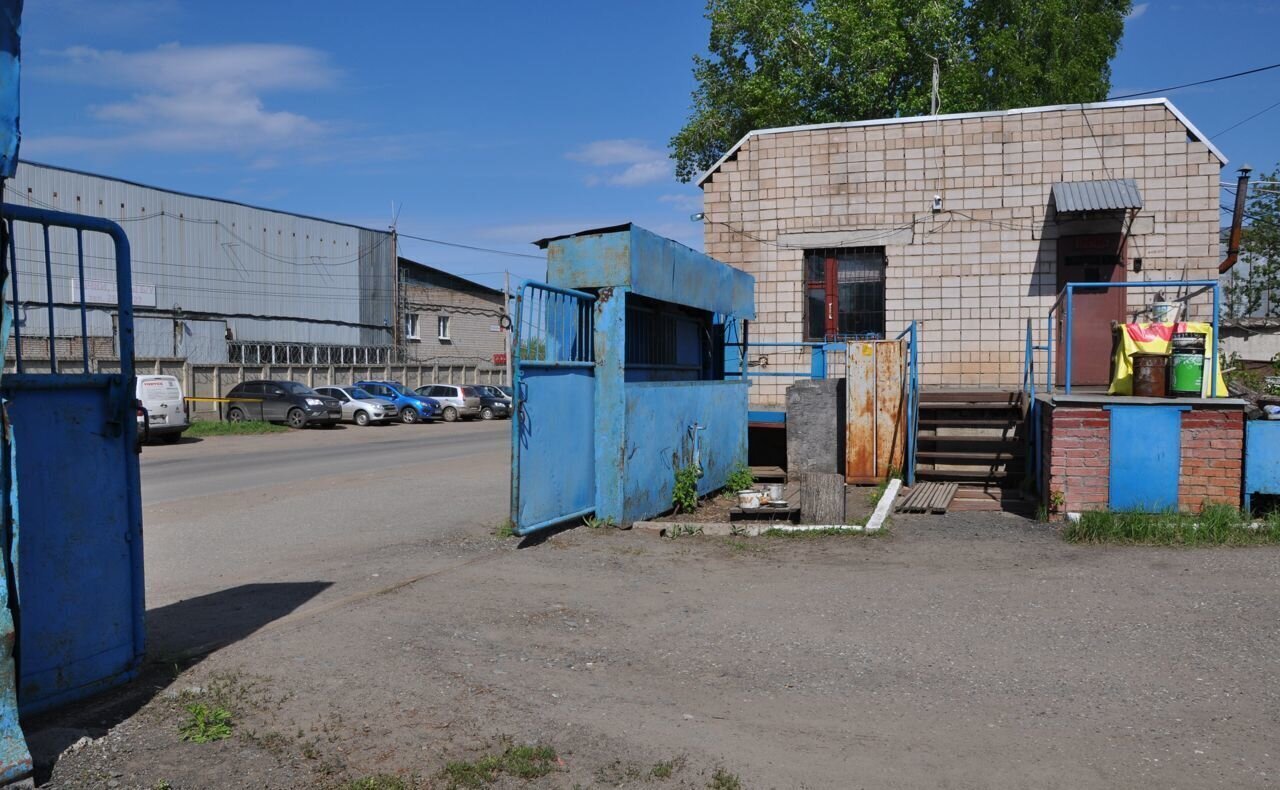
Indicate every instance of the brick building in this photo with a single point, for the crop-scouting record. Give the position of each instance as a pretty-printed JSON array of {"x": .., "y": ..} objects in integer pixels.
[
  {"x": 968, "y": 224},
  {"x": 450, "y": 321}
]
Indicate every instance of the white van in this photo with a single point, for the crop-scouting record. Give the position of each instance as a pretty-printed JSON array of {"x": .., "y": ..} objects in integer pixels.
[{"x": 164, "y": 407}]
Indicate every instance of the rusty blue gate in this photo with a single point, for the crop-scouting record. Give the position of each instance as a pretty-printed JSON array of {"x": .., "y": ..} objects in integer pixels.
[
  {"x": 73, "y": 532},
  {"x": 553, "y": 430}
]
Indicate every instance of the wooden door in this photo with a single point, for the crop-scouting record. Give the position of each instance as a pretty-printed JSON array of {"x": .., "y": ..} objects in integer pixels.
[{"x": 1089, "y": 259}]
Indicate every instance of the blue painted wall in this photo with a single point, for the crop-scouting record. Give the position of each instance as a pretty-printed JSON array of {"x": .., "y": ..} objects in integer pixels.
[{"x": 658, "y": 416}]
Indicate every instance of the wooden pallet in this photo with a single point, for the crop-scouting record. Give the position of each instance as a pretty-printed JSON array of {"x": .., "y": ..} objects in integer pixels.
[{"x": 928, "y": 498}]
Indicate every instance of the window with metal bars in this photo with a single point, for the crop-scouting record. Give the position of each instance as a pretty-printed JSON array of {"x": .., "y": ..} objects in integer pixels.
[
  {"x": 666, "y": 342},
  {"x": 844, "y": 293}
]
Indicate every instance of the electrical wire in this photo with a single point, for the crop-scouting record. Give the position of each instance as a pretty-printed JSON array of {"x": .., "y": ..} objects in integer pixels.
[
  {"x": 1266, "y": 109},
  {"x": 1193, "y": 84},
  {"x": 471, "y": 247}
]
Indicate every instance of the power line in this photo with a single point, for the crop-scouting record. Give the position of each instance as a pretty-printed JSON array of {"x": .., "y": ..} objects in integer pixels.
[
  {"x": 472, "y": 247},
  {"x": 1193, "y": 84},
  {"x": 1268, "y": 108}
]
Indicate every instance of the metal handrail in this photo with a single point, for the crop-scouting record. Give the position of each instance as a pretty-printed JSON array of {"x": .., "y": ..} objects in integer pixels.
[
  {"x": 1069, "y": 290},
  {"x": 913, "y": 398}
]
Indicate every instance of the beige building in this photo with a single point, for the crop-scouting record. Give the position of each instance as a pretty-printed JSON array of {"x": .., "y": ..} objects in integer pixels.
[
  {"x": 969, "y": 225},
  {"x": 452, "y": 324}
]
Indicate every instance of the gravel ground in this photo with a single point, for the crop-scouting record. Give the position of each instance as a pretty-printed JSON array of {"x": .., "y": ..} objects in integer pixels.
[{"x": 962, "y": 651}]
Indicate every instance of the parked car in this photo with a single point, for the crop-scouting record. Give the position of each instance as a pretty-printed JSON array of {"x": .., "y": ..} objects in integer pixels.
[
  {"x": 361, "y": 407},
  {"x": 283, "y": 401},
  {"x": 161, "y": 405},
  {"x": 456, "y": 402},
  {"x": 494, "y": 403},
  {"x": 411, "y": 406},
  {"x": 506, "y": 390}
]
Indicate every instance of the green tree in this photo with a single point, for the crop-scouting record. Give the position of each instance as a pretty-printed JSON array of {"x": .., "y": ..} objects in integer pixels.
[
  {"x": 1253, "y": 288},
  {"x": 786, "y": 62}
]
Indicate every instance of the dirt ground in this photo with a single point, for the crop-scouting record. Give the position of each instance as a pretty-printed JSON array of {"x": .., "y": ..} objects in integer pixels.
[{"x": 965, "y": 651}]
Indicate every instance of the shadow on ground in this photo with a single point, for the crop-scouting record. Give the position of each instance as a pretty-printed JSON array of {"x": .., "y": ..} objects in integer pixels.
[{"x": 179, "y": 636}]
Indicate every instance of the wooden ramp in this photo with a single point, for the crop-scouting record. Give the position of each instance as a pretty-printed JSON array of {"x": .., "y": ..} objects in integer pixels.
[{"x": 928, "y": 498}]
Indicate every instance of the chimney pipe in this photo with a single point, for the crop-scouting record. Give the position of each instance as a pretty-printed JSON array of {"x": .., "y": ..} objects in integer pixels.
[{"x": 1233, "y": 240}]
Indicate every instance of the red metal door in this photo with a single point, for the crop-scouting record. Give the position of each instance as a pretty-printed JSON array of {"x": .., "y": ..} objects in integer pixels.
[{"x": 1090, "y": 259}]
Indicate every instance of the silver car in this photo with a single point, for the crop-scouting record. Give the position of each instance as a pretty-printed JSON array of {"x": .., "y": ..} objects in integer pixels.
[
  {"x": 456, "y": 401},
  {"x": 360, "y": 407}
]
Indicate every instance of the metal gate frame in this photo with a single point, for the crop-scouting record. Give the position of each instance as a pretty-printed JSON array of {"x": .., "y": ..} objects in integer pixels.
[{"x": 558, "y": 327}]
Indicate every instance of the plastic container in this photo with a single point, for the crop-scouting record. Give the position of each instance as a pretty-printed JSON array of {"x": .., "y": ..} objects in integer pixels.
[
  {"x": 1150, "y": 375},
  {"x": 1164, "y": 312},
  {"x": 1186, "y": 375}
]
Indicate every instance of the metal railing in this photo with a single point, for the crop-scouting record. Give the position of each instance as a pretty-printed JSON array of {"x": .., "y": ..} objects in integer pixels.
[
  {"x": 1033, "y": 407},
  {"x": 554, "y": 327},
  {"x": 1065, "y": 298},
  {"x": 911, "y": 333}
]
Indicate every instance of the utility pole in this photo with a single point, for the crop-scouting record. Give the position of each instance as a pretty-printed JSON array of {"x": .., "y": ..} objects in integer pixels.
[{"x": 506, "y": 330}]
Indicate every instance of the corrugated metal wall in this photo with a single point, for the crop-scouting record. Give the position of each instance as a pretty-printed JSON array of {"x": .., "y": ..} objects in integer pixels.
[{"x": 211, "y": 257}]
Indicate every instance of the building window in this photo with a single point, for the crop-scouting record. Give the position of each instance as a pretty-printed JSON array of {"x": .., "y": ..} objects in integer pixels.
[
  {"x": 442, "y": 327},
  {"x": 844, "y": 293},
  {"x": 411, "y": 327}
]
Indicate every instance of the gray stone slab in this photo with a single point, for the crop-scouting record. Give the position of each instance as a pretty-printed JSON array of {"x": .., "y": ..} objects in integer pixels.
[{"x": 815, "y": 427}]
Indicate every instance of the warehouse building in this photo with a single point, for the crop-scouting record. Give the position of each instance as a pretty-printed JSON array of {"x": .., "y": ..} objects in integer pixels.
[{"x": 214, "y": 281}]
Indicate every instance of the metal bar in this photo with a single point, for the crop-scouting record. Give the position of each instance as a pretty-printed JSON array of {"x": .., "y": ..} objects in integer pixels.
[
  {"x": 525, "y": 530},
  {"x": 48, "y": 290},
  {"x": 1213, "y": 353},
  {"x": 561, "y": 364},
  {"x": 1067, "y": 367},
  {"x": 817, "y": 362},
  {"x": 17, "y": 318}
]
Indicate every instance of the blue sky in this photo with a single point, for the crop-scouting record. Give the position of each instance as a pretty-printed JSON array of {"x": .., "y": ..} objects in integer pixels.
[{"x": 486, "y": 123}]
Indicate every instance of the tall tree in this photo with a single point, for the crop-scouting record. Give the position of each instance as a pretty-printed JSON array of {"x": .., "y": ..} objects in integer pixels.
[
  {"x": 1253, "y": 288},
  {"x": 786, "y": 62}
]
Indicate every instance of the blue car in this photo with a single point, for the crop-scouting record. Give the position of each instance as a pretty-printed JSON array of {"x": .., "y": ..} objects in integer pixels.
[{"x": 412, "y": 406}]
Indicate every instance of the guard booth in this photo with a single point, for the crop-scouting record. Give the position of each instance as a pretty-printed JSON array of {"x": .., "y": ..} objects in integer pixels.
[{"x": 619, "y": 377}]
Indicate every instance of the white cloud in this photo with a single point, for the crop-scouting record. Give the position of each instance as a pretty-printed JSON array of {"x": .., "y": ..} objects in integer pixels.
[
  {"x": 644, "y": 164},
  {"x": 682, "y": 202},
  {"x": 1137, "y": 11},
  {"x": 193, "y": 98}
]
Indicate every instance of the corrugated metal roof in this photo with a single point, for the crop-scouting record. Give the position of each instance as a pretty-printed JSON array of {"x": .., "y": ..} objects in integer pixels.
[{"x": 1109, "y": 194}]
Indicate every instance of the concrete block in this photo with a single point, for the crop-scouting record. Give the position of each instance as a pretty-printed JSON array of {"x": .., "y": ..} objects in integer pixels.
[{"x": 815, "y": 427}]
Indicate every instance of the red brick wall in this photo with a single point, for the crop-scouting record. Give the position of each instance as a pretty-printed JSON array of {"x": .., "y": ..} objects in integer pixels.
[
  {"x": 1212, "y": 455},
  {"x": 1077, "y": 457}
]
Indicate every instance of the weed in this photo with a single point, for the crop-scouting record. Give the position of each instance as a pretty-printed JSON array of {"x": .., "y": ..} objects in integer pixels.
[
  {"x": 666, "y": 769},
  {"x": 1215, "y": 525},
  {"x": 591, "y": 522},
  {"x": 378, "y": 782},
  {"x": 685, "y": 494},
  {"x": 1056, "y": 500},
  {"x": 680, "y": 530},
  {"x": 808, "y": 534},
  {"x": 523, "y": 762},
  {"x": 873, "y": 496},
  {"x": 1042, "y": 513},
  {"x": 205, "y": 724},
  {"x": 163, "y": 784},
  {"x": 739, "y": 479},
  {"x": 202, "y": 428},
  {"x": 723, "y": 780},
  {"x": 504, "y": 530}
]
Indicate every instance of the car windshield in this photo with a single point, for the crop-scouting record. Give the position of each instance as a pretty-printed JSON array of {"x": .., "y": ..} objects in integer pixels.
[
  {"x": 359, "y": 394},
  {"x": 400, "y": 388},
  {"x": 294, "y": 388}
]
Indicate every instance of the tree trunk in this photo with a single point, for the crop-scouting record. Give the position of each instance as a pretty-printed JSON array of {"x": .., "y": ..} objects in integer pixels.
[{"x": 822, "y": 498}]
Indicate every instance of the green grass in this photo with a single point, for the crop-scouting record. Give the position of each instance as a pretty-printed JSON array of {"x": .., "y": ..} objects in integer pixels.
[
  {"x": 810, "y": 534},
  {"x": 504, "y": 530},
  {"x": 203, "y": 428},
  {"x": 522, "y": 762},
  {"x": 1216, "y": 525},
  {"x": 205, "y": 723},
  {"x": 723, "y": 780}
]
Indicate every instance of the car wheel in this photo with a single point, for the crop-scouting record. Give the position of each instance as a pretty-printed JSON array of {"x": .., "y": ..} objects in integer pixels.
[
  {"x": 408, "y": 415},
  {"x": 486, "y": 413},
  {"x": 362, "y": 418},
  {"x": 235, "y": 415},
  {"x": 450, "y": 414},
  {"x": 296, "y": 418}
]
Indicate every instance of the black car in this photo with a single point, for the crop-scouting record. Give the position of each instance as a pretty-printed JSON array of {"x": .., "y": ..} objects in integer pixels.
[
  {"x": 282, "y": 401},
  {"x": 494, "y": 403}
]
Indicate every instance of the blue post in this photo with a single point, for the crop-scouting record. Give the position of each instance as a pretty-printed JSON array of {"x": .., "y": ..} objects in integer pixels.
[
  {"x": 1067, "y": 371},
  {"x": 1213, "y": 353},
  {"x": 818, "y": 362},
  {"x": 1048, "y": 366}
]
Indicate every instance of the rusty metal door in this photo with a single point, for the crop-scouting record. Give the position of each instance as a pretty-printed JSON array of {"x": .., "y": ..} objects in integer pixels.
[
  {"x": 875, "y": 409},
  {"x": 1090, "y": 259},
  {"x": 553, "y": 425}
]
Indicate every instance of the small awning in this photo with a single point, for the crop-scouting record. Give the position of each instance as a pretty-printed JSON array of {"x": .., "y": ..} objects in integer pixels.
[{"x": 1113, "y": 194}]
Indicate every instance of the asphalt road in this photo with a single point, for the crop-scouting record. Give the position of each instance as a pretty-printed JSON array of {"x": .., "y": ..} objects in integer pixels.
[{"x": 345, "y": 507}]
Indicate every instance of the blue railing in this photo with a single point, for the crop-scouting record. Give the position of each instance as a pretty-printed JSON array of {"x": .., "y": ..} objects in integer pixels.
[{"x": 1067, "y": 294}]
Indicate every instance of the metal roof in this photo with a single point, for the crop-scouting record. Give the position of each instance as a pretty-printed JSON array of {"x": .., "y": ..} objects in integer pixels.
[
  {"x": 1102, "y": 105},
  {"x": 1108, "y": 194}
]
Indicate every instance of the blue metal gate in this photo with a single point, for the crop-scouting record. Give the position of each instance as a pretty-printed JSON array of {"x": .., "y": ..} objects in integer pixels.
[
  {"x": 553, "y": 431},
  {"x": 72, "y": 458}
]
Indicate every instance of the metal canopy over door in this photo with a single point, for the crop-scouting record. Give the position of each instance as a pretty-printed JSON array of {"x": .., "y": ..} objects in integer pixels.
[
  {"x": 553, "y": 430},
  {"x": 1090, "y": 259}
]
